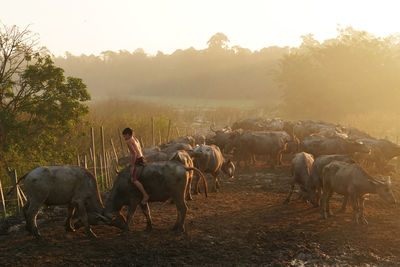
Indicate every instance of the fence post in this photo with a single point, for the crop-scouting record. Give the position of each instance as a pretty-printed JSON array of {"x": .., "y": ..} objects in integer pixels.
[
  {"x": 120, "y": 140},
  {"x": 85, "y": 161},
  {"x": 169, "y": 130},
  {"x": 113, "y": 147},
  {"x": 103, "y": 152},
  {"x": 13, "y": 180},
  {"x": 3, "y": 203},
  {"x": 152, "y": 132},
  {"x": 93, "y": 152},
  {"x": 78, "y": 160}
]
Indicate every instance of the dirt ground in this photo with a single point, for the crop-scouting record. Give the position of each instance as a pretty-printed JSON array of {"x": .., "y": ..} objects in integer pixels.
[{"x": 245, "y": 224}]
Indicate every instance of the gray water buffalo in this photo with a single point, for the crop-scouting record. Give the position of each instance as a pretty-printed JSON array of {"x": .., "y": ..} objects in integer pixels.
[
  {"x": 269, "y": 144},
  {"x": 161, "y": 180},
  {"x": 184, "y": 140},
  {"x": 172, "y": 148},
  {"x": 300, "y": 168},
  {"x": 157, "y": 156},
  {"x": 354, "y": 183},
  {"x": 62, "y": 185},
  {"x": 209, "y": 159},
  {"x": 326, "y": 146},
  {"x": 316, "y": 173}
]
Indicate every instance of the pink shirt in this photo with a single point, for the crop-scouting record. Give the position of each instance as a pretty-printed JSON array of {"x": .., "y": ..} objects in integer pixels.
[{"x": 135, "y": 148}]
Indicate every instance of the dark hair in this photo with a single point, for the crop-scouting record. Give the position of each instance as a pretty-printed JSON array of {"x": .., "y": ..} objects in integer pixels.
[{"x": 127, "y": 131}]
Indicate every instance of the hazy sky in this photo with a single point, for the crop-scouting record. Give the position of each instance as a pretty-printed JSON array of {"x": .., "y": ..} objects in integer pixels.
[{"x": 92, "y": 26}]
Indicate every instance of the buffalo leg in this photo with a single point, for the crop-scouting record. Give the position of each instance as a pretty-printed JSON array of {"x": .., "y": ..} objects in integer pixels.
[
  {"x": 361, "y": 209},
  {"x": 290, "y": 193},
  {"x": 189, "y": 188},
  {"x": 83, "y": 217},
  {"x": 68, "y": 222},
  {"x": 131, "y": 211},
  {"x": 146, "y": 212},
  {"x": 181, "y": 209},
  {"x": 31, "y": 225},
  {"x": 328, "y": 209},
  {"x": 354, "y": 205},
  {"x": 344, "y": 204}
]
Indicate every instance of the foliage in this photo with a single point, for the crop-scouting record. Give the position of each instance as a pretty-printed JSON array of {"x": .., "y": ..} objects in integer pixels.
[
  {"x": 351, "y": 74},
  {"x": 40, "y": 108}
]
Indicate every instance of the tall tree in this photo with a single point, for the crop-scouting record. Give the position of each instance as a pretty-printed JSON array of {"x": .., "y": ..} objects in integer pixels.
[{"x": 38, "y": 104}]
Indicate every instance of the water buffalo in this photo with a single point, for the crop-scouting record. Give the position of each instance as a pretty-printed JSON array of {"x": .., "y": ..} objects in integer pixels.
[
  {"x": 300, "y": 168},
  {"x": 62, "y": 185},
  {"x": 354, "y": 183},
  {"x": 184, "y": 140},
  {"x": 209, "y": 159},
  {"x": 183, "y": 157},
  {"x": 270, "y": 144},
  {"x": 161, "y": 180},
  {"x": 316, "y": 173},
  {"x": 326, "y": 146},
  {"x": 172, "y": 148}
]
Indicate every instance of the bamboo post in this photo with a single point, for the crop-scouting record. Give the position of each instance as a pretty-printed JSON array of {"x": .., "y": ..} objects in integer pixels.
[
  {"x": 101, "y": 171},
  {"x": 3, "y": 203},
  {"x": 13, "y": 180},
  {"x": 85, "y": 161},
  {"x": 93, "y": 152},
  {"x": 177, "y": 131},
  {"x": 152, "y": 132},
  {"x": 120, "y": 140},
  {"x": 169, "y": 131},
  {"x": 103, "y": 153},
  {"x": 159, "y": 137},
  {"x": 113, "y": 147},
  {"x": 78, "y": 160}
]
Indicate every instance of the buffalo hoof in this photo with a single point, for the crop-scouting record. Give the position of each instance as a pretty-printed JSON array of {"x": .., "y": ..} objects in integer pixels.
[
  {"x": 363, "y": 221},
  {"x": 189, "y": 198},
  {"x": 91, "y": 234},
  {"x": 69, "y": 229}
]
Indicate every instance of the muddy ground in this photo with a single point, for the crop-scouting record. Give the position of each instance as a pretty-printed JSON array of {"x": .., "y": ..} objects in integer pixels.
[{"x": 245, "y": 224}]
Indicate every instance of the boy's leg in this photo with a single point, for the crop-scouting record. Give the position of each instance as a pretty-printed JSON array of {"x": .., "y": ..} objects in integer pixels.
[{"x": 141, "y": 189}]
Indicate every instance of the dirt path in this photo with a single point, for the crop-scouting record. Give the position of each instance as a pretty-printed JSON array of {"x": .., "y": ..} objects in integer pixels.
[{"x": 244, "y": 224}]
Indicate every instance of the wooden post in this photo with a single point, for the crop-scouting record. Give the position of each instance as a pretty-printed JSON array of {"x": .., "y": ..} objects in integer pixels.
[
  {"x": 13, "y": 180},
  {"x": 120, "y": 140},
  {"x": 85, "y": 162},
  {"x": 101, "y": 171},
  {"x": 159, "y": 137},
  {"x": 169, "y": 131},
  {"x": 93, "y": 152},
  {"x": 152, "y": 132},
  {"x": 113, "y": 147},
  {"x": 78, "y": 160},
  {"x": 3, "y": 203},
  {"x": 141, "y": 141},
  {"x": 103, "y": 154},
  {"x": 177, "y": 131}
]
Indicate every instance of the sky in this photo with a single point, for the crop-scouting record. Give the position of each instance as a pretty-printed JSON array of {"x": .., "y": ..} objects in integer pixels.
[{"x": 92, "y": 26}]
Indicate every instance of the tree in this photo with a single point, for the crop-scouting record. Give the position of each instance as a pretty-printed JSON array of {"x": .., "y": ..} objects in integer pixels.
[
  {"x": 353, "y": 73},
  {"x": 38, "y": 104},
  {"x": 218, "y": 41}
]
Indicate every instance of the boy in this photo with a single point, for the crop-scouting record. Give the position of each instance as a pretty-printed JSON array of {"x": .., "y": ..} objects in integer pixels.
[{"x": 137, "y": 160}]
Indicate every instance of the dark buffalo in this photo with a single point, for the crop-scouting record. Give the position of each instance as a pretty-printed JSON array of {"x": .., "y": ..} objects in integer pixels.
[
  {"x": 326, "y": 146},
  {"x": 354, "y": 183},
  {"x": 62, "y": 185},
  {"x": 161, "y": 180},
  {"x": 316, "y": 173},
  {"x": 270, "y": 144},
  {"x": 172, "y": 148}
]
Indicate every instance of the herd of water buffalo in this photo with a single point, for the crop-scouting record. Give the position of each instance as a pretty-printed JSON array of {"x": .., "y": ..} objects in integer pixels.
[{"x": 325, "y": 158}]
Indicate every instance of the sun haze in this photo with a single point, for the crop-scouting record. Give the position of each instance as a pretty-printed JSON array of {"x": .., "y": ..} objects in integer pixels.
[{"x": 90, "y": 27}]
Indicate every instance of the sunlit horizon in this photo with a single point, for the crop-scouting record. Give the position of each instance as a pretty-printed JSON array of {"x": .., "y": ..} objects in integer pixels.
[{"x": 91, "y": 27}]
